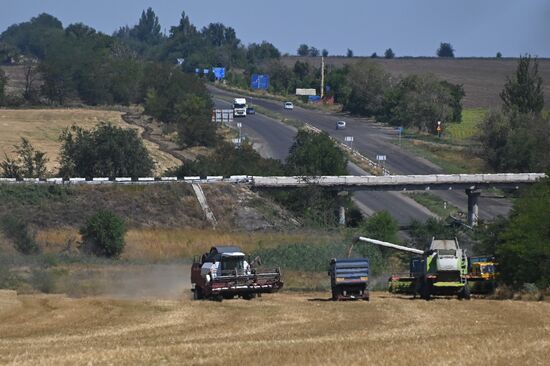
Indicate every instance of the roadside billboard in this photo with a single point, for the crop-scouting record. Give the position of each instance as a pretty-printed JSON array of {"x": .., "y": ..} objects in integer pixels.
[{"x": 306, "y": 92}]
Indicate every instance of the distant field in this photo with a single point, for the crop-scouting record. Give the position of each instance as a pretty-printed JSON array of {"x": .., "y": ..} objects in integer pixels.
[
  {"x": 43, "y": 127},
  {"x": 278, "y": 329},
  {"x": 483, "y": 79}
]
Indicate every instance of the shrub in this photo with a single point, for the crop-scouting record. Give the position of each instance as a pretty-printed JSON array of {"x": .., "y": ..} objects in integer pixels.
[
  {"x": 17, "y": 230},
  {"x": 103, "y": 235}
]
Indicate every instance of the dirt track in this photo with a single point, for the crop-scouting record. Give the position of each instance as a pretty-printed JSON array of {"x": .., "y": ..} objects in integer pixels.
[{"x": 277, "y": 329}]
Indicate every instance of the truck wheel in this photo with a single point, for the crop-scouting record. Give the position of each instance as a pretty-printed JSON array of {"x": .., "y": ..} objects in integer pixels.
[
  {"x": 249, "y": 296},
  {"x": 197, "y": 294},
  {"x": 465, "y": 292},
  {"x": 425, "y": 292}
]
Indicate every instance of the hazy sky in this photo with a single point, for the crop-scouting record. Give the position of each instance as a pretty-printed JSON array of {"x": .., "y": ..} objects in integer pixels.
[{"x": 409, "y": 27}]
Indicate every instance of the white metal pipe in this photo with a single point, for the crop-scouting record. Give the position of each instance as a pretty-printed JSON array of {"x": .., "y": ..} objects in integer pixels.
[{"x": 390, "y": 245}]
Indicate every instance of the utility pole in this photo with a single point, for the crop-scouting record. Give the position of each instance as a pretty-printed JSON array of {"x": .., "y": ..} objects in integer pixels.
[{"x": 322, "y": 77}]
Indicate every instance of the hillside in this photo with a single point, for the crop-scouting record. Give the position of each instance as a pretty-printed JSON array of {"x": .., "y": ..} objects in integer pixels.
[
  {"x": 43, "y": 126},
  {"x": 168, "y": 206},
  {"x": 483, "y": 79}
]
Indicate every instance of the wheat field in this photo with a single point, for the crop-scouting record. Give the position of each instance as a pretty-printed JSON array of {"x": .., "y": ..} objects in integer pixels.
[
  {"x": 43, "y": 126},
  {"x": 277, "y": 329}
]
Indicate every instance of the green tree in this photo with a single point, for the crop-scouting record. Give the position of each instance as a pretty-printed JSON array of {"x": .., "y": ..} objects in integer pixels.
[
  {"x": 106, "y": 151},
  {"x": 523, "y": 250},
  {"x": 349, "y": 53},
  {"x": 389, "y": 53},
  {"x": 524, "y": 91},
  {"x": 315, "y": 154},
  {"x": 148, "y": 28},
  {"x": 374, "y": 55},
  {"x": 303, "y": 50},
  {"x": 516, "y": 142},
  {"x": 369, "y": 83},
  {"x": 499, "y": 55},
  {"x": 29, "y": 163},
  {"x": 314, "y": 52},
  {"x": 103, "y": 235},
  {"x": 419, "y": 102},
  {"x": 260, "y": 52},
  {"x": 381, "y": 226},
  {"x": 445, "y": 50},
  {"x": 324, "y": 52},
  {"x": 195, "y": 127},
  {"x": 229, "y": 160}
]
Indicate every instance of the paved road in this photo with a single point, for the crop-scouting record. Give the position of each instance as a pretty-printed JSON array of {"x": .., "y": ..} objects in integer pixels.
[
  {"x": 273, "y": 140},
  {"x": 372, "y": 139}
]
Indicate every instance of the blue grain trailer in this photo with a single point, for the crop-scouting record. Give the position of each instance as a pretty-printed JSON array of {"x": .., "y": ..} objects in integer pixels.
[{"x": 349, "y": 279}]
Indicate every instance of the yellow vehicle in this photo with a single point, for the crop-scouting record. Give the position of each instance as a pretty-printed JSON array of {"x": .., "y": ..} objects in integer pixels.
[{"x": 482, "y": 274}]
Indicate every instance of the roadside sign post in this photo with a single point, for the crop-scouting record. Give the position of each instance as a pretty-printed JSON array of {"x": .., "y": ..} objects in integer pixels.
[
  {"x": 439, "y": 129},
  {"x": 382, "y": 161},
  {"x": 350, "y": 140},
  {"x": 240, "y": 127},
  {"x": 400, "y": 130}
]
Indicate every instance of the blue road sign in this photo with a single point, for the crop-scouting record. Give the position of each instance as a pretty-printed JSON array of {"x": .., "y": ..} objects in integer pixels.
[
  {"x": 205, "y": 71},
  {"x": 259, "y": 81},
  {"x": 314, "y": 98},
  {"x": 197, "y": 71},
  {"x": 219, "y": 72}
]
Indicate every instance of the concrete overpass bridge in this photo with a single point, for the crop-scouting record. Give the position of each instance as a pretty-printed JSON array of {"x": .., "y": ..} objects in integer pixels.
[{"x": 472, "y": 184}]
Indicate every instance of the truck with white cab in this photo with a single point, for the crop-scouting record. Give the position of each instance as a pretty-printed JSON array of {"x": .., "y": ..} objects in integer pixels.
[{"x": 239, "y": 107}]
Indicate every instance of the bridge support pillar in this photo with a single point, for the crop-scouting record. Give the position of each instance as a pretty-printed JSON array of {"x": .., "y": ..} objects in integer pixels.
[
  {"x": 473, "y": 209},
  {"x": 342, "y": 216}
]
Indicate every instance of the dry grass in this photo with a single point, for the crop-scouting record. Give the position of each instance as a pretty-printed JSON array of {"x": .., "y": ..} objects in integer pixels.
[
  {"x": 279, "y": 329},
  {"x": 161, "y": 244},
  {"x": 43, "y": 127}
]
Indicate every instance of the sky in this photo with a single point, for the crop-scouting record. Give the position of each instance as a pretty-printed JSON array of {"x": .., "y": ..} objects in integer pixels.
[{"x": 475, "y": 28}]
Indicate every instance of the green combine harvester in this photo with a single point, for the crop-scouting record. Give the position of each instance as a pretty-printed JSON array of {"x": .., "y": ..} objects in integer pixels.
[{"x": 441, "y": 270}]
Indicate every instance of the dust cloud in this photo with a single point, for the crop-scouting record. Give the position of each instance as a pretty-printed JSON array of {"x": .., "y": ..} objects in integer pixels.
[{"x": 154, "y": 281}]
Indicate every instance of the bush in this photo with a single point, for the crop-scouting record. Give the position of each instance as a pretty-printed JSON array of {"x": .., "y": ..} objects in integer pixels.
[
  {"x": 106, "y": 151},
  {"x": 17, "y": 230},
  {"x": 103, "y": 235}
]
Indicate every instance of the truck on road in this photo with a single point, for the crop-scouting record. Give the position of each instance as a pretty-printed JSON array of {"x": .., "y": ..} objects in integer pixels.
[
  {"x": 225, "y": 272},
  {"x": 239, "y": 107}
]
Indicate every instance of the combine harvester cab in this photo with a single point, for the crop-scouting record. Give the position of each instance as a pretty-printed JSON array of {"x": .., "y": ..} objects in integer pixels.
[
  {"x": 442, "y": 270},
  {"x": 224, "y": 273},
  {"x": 349, "y": 279}
]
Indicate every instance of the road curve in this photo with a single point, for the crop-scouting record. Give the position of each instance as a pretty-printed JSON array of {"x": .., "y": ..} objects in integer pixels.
[
  {"x": 373, "y": 139},
  {"x": 272, "y": 138}
]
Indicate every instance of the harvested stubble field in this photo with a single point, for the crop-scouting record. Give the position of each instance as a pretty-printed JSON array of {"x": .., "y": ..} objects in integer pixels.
[
  {"x": 43, "y": 126},
  {"x": 278, "y": 329}
]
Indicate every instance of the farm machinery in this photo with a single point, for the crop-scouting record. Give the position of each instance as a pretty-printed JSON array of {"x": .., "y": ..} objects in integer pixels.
[
  {"x": 482, "y": 274},
  {"x": 440, "y": 270},
  {"x": 225, "y": 272},
  {"x": 349, "y": 279}
]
